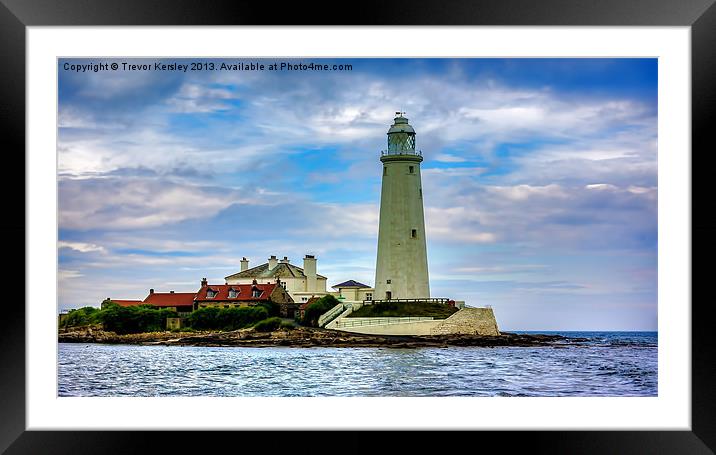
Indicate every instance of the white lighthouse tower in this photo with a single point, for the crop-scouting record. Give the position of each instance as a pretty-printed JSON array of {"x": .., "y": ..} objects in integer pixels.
[{"x": 402, "y": 265}]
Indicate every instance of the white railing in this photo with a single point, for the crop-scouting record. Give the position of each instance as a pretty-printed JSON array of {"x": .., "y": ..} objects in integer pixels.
[
  {"x": 333, "y": 323},
  {"x": 360, "y": 322},
  {"x": 329, "y": 315},
  {"x": 426, "y": 300}
]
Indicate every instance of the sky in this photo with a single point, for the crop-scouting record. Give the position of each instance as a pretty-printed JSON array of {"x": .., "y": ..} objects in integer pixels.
[{"x": 539, "y": 179}]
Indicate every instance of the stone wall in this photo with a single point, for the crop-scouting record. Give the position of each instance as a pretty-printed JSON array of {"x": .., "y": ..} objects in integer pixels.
[{"x": 468, "y": 321}]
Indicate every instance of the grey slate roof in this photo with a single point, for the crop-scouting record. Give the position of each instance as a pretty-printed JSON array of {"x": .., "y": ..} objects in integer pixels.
[
  {"x": 350, "y": 284},
  {"x": 282, "y": 270}
]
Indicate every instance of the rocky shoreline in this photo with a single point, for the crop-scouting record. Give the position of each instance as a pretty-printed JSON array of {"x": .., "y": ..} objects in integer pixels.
[{"x": 304, "y": 337}]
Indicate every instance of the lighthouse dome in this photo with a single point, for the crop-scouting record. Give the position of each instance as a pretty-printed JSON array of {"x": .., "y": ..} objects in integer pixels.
[{"x": 400, "y": 125}]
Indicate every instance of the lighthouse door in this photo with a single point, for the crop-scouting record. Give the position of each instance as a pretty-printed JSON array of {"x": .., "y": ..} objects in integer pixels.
[{"x": 388, "y": 295}]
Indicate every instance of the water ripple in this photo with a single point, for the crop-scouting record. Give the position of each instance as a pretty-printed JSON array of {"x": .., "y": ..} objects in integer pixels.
[{"x": 609, "y": 364}]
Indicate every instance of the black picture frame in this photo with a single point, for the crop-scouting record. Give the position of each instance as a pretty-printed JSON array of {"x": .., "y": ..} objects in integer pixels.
[{"x": 16, "y": 15}]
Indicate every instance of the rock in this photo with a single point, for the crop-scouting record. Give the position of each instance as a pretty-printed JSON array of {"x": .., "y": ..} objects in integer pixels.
[{"x": 308, "y": 337}]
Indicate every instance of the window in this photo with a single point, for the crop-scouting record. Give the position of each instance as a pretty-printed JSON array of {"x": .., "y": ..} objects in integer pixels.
[
  {"x": 411, "y": 169},
  {"x": 283, "y": 284},
  {"x": 210, "y": 294},
  {"x": 421, "y": 192},
  {"x": 385, "y": 170},
  {"x": 369, "y": 296},
  {"x": 387, "y": 281},
  {"x": 256, "y": 293},
  {"x": 304, "y": 299},
  {"x": 414, "y": 233},
  {"x": 232, "y": 293}
]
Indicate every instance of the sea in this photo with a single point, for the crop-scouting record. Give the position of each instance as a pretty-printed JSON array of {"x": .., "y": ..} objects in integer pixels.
[{"x": 614, "y": 364}]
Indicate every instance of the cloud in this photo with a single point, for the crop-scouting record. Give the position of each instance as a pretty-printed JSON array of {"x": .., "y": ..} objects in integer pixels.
[
  {"x": 63, "y": 274},
  {"x": 455, "y": 171},
  {"x": 524, "y": 192},
  {"x": 275, "y": 117},
  {"x": 198, "y": 98},
  {"x": 594, "y": 216},
  {"x": 81, "y": 246},
  {"x": 136, "y": 203},
  {"x": 600, "y": 186},
  {"x": 502, "y": 269},
  {"x": 448, "y": 158}
]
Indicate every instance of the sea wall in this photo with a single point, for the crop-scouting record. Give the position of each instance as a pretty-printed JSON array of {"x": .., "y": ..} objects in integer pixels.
[{"x": 468, "y": 321}]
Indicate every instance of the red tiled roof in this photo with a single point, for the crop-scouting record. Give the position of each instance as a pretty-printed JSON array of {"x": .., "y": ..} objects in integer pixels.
[
  {"x": 170, "y": 299},
  {"x": 244, "y": 293},
  {"x": 127, "y": 302}
]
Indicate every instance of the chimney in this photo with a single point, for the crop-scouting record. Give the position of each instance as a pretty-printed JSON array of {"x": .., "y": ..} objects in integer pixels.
[
  {"x": 284, "y": 260},
  {"x": 171, "y": 292},
  {"x": 309, "y": 269},
  {"x": 151, "y": 291},
  {"x": 272, "y": 262},
  {"x": 204, "y": 282},
  {"x": 254, "y": 282},
  {"x": 244, "y": 264}
]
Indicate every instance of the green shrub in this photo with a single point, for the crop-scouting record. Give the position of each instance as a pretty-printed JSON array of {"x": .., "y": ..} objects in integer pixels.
[
  {"x": 204, "y": 318},
  {"x": 317, "y": 308},
  {"x": 213, "y": 318},
  {"x": 268, "y": 325},
  {"x": 274, "y": 309},
  {"x": 81, "y": 317},
  {"x": 134, "y": 319},
  {"x": 287, "y": 325}
]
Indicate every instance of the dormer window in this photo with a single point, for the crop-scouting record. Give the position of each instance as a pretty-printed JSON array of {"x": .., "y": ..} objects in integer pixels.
[
  {"x": 210, "y": 294},
  {"x": 233, "y": 293},
  {"x": 256, "y": 293}
]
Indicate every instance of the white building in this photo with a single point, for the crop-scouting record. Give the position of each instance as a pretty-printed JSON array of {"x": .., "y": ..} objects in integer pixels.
[
  {"x": 353, "y": 291},
  {"x": 300, "y": 283},
  {"x": 402, "y": 263}
]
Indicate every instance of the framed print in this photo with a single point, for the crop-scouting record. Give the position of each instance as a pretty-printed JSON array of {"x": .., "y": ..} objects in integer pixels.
[{"x": 519, "y": 179}]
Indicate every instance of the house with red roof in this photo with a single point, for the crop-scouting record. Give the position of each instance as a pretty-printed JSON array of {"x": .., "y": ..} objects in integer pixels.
[
  {"x": 181, "y": 302},
  {"x": 244, "y": 295},
  {"x": 218, "y": 295}
]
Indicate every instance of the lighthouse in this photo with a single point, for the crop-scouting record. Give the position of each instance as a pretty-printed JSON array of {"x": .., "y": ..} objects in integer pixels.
[{"x": 402, "y": 263}]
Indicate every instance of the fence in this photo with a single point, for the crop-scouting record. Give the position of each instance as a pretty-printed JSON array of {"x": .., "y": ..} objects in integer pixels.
[
  {"x": 436, "y": 300},
  {"x": 360, "y": 322}
]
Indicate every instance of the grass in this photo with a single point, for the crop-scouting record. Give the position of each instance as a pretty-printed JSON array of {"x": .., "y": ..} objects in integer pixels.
[{"x": 404, "y": 309}]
